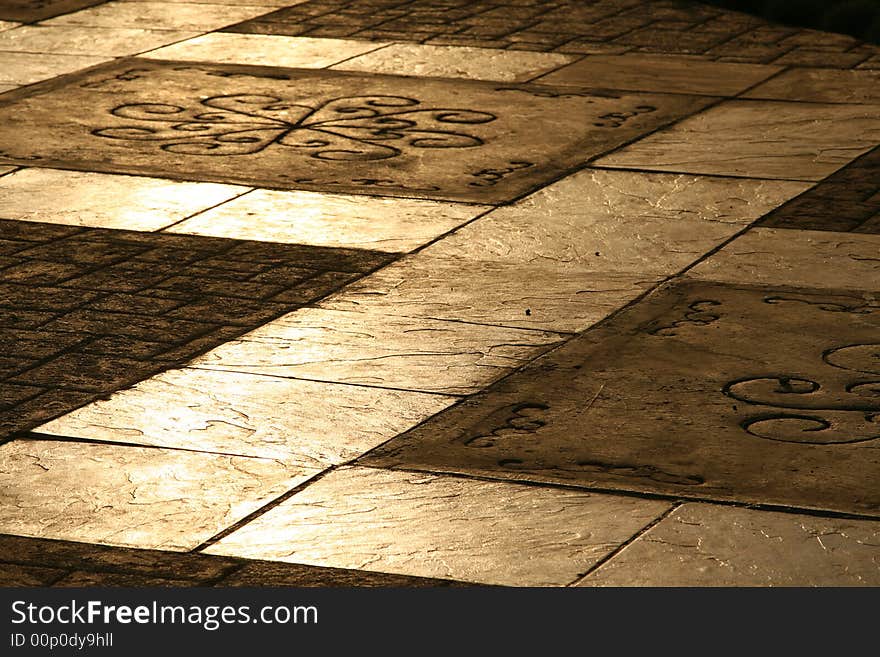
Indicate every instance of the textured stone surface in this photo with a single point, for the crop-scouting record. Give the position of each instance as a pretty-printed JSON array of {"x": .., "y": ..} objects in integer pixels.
[
  {"x": 413, "y": 524},
  {"x": 15, "y": 575},
  {"x": 602, "y": 239},
  {"x": 707, "y": 545},
  {"x": 131, "y": 496},
  {"x": 822, "y": 86},
  {"x": 300, "y": 423},
  {"x": 28, "y": 11},
  {"x": 264, "y": 50},
  {"x": 759, "y": 139},
  {"x": 105, "y": 200},
  {"x": 328, "y": 131},
  {"x": 666, "y": 73},
  {"x": 807, "y": 258},
  {"x": 155, "y": 15},
  {"x": 374, "y": 349},
  {"x": 75, "y": 40},
  {"x": 270, "y": 573},
  {"x": 708, "y": 391},
  {"x": 367, "y": 222},
  {"x": 455, "y": 62},
  {"x": 20, "y": 68}
]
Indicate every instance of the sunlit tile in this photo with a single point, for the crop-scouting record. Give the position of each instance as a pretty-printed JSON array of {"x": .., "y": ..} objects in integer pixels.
[
  {"x": 806, "y": 258},
  {"x": 825, "y": 85},
  {"x": 264, "y": 49},
  {"x": 759, "y": 139},
  {"x": 375, "y": 349},
  {"x": 669, "y": 73},
  {"x": 156, "y": 15},
  {"x": 8, "y": 25},
  {"x": 131, "y": 496},
  {"x": 707, "y": 545},
  {"x": 4, "y": 170},
  {"x": 437, "y": 526},
  {"x": 603, "y": 238},
  {"x": 25, "y": 68},
  {"x": 367, "y": 222},
  {"x": 7, "y": 87},
  {"x": 76, "y": 40},
  {"x": 456, "y": 62},
  {"x": 105, "y": 200},
  {"x": 301, "y": 423}
]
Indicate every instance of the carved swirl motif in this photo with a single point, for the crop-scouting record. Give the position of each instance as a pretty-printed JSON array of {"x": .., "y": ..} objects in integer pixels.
[
  {"x": 355, "y": 128},
  {"x": 810, "y": 413},
  {"x": 698, "y": 314},
  {"x": 518, "y": 419}
]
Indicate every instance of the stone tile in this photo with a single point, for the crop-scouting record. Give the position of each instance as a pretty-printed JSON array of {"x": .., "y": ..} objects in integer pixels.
[
  {"x": 323, "y": 130},
  {"x": 759, "y": 139},
  {"x": 456, "y": 62},
  {"x": 21, "y": 68},
  {"x": 4, "y": 88},
  {"x": 264, "y": 49},
  {"x": 703, "y": 391},
  {"x": 80, "y": 579},
  {"x": 603, "y": 239},
  {"x": 8, "y": 25},
  {"x": 16, "y": 575},
  {"x": 364, "y": 222},
  {"x": 5, "y": 170},
  {"x": 132, "y": 496},
  {"x": 376, "y": 350},
  {"x": 434, "y": 526},
  {"x": 76, "y": 40},
  {"x": 802, "y": 258},
  {"x": 272, "y": 573},
  {"x": 156, "y": 16},
  {"x": 821, "y": 85},
  {"x": 708, "y": 545},
  {"x": 28, "y": 11},
  {"x": 252, "y": 3},
  {"x": 664, "y": 73},
  {"x": 301, "y": 423},
  {"x": 105, "y": 200}
]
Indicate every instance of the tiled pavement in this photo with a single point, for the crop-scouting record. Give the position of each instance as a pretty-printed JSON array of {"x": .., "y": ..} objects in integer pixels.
[{"x": 431, "y": 293}]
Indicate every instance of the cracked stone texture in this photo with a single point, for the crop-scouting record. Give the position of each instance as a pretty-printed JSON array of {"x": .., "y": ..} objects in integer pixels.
[
  {"x": 301, "y": 423},
  {"x": 20, "y": 68},
  {"x": 340, "y": 220},
  {"x": 804, "y": 258},
  {"x": 434, "y": 526},
  {"x": 75, "y": 40},
  {"x": 708, "y": 545},
  {"x": 758, "y": 139},
  {"x": 105, "y": 200},
  {"x": 603, "y": 238},
  {"x": 663, "y": 73},
  {"x": 377, "y": 350},
  {"x": 263, "y": 50},
  {"x": 821, "y": 86},
  {"x": 455, "y": 62},
  {"x": 132, "y": 496},
  {"x": 156, "y": 15},
  {"x": 458, "y": 139},
  {"x": 756, "y": 395}
]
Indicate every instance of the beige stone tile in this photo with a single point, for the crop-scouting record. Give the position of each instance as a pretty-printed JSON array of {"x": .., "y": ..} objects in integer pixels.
[
  {"x": 8, "y": 25},
  {"x": 26, "y": 68},
  {"x": 299, "y": 217},
  {"x": 803, "y": 258},
  {"x": 7, "y": 87},
  {"x": 4, "y": 170},
  {"x": 253, "y": 3},
  {"x": 264, "y": 49},
  {"x": 156, "y": 15},
  {"x": 603, "y": 237},
  {"x": 437, "y": 526},
  {"x": 105, "y": 200},
  {"x": 825, "y": 85},
  {"x": 456, "y": 62},
  {"x": 301, "y": 423},
  {"x": 131, "y": 496},
  {"x": 665, "y": 73},
  {"x": 78, "y": 40},
  {"x": 759, "y": 139},
  {"x": 708, "y": 545},
  {"x": 374, "y": 349}
]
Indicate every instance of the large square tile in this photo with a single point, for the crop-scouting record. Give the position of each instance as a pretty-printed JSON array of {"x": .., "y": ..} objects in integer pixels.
[
  {"x": 21, "y": 68},
  {"x": 78, "y": 40},
  {"x": 105, "y": 200},
  {"x": 301, "y": 423},
  {"x": 758, "y": 139},
  {"x": 132, "y": 496},
  {"x": 434, "y": 526},
  {"x": 822, "y": 85},
  {"x": 377, "y": 350},
  {"x": 157, "y": 15},
  {"x": 705, "y": 391},
  {"x": 322, "y": 130},
  {"x": 301, "y": 217},
  {"x": 708, "y": 545}
]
